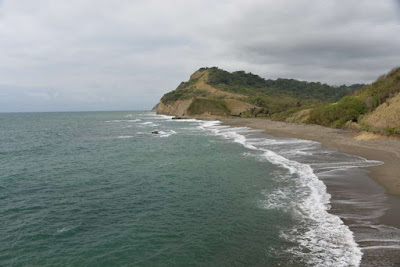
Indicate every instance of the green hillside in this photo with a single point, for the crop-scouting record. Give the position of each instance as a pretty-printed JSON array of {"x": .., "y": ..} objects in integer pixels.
[
  {"x": 375, "y": 107},
  {"x": 251, "y": 84},
  {"x": 214, "y": 92},
  {"x": 273, "y": 98}
]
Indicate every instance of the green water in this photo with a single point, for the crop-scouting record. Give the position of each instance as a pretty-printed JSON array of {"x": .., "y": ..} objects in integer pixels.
[{"x": 98, "y": 189}]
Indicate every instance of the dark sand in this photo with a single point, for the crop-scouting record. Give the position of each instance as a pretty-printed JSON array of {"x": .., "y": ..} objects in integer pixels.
[{"x": 385, "y": 150}]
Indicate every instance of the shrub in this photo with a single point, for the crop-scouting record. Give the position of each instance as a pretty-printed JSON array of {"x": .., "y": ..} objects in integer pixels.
[
  {"x": 392, "y": 130},
  {"x": 172, "y": 96},
  {"x": 347, "y": 109}
]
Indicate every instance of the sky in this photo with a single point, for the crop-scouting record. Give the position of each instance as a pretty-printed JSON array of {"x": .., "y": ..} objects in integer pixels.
[{"x": 83, "y": 55}]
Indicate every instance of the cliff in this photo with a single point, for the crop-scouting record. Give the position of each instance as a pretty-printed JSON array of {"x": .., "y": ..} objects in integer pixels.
[{"x": 196, "y": 98}]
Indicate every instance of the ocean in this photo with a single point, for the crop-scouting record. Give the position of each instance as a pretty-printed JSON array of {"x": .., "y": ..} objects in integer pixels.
[{"x": 99, "y": 189}]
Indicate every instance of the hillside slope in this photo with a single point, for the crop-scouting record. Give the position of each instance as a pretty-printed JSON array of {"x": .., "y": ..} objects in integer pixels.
[
  {"x": 382, "y": 98},
  {"x": 212, "y": 92},
  {"x": 375, "y": 107},
  {"x": 197, "y": 98}
]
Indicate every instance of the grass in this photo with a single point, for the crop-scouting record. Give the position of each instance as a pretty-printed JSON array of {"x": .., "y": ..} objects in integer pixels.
[{"x": 208, "y": 105}]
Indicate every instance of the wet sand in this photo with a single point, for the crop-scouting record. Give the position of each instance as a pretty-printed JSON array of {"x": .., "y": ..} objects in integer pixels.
[{"x": 386, "y": 150}]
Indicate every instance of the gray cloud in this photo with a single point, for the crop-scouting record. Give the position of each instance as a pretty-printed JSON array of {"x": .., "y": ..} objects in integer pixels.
[
  {"x": 332, "y": 41},
  {"x": 91, "y": 55}
]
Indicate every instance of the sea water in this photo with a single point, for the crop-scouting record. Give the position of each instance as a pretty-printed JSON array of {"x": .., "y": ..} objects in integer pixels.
[{"x": 100, "y": 189}]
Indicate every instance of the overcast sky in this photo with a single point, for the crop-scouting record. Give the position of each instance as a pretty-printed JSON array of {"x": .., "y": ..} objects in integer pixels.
[{"x": 58, "y": 55}]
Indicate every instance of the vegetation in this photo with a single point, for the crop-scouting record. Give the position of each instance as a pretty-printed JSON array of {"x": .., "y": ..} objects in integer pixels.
[
  {"x": 250, "y": 84},
  {"x": 182, "y": 94},
  {"x": 374, "y": 107},
  {"x": 349, "y": 108},
  {"x": 276, "y": 103},
  {"x": 385, "y": 87},
  {"x": 271, "y": 96},
  {"x": 208, "y": 105}
]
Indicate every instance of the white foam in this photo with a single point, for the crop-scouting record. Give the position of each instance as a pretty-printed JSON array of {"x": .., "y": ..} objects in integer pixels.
[
  {"x": 278, "y": 199},
  {"x": 149, "y": 123},
  {"x": 328, "y": 241},
  {"x": 64, "y": 229},
  {"x": 161, "y": 117},
  {"x": 135, "y": 120},
  {"x": 208, "y": 124},
  {"x": 166, "y": 134},
  {"x": 185, "y": 120},
  {"x": 302, "y": 152},
  {"x": 125, "y": 136},
  {"x": 346, "y": 165}
]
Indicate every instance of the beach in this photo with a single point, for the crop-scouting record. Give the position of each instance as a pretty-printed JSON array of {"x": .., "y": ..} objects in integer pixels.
[
  {"x": 366, "y": 199},
  {"x": 385, "y": 149}
]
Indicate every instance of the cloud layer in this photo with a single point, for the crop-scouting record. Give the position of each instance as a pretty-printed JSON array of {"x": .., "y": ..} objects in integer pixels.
[{"x": 97, "y": 55}]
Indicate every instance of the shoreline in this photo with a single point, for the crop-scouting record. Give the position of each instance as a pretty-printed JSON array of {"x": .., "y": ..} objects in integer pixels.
[
  {"x": 386, "y": 149},
  {"x": 365, "y": 198}
]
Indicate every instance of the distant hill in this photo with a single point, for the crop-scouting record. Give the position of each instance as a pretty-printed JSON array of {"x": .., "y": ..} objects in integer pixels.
[
  {"x": 213, "y": 92},
  {"x": 375, "y": 107}
]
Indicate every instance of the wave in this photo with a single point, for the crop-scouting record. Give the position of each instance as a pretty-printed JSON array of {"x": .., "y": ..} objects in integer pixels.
[
  {"x": 159, "y": 116},
  {"x": 186, "y": 120},
  {"x": 149, "y": 123},
  {"x": 324, "y": 236},
  {"x": 135, "y": 120},
  {"x": 166, "y": 134},
  {"x": 337, "y": 239},
  {"x": 125, "y": 136},
  {"x": 130, "y": 116},
  {"x": 332, "y": 166},
  {"x": 64, "y": 229},
  {"x": 278, "y": 199}
]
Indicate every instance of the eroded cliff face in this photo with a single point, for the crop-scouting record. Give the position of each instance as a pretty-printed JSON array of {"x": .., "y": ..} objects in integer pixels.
[
  {"x": 205, "y": 108},
  {"x": 177, "y": 108}
]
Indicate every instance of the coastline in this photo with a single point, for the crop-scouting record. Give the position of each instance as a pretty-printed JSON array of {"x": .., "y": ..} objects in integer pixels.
[
  {"x": 386, "y": 150},
  {"x": 365, "y": 198}
]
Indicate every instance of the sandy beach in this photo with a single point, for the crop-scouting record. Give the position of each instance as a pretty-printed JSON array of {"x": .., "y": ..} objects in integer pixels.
[{"x": 385, "y": 149}]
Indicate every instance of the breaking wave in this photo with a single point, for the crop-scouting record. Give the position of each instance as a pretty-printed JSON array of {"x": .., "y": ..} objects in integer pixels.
[{"x": 322, "y": 238}]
